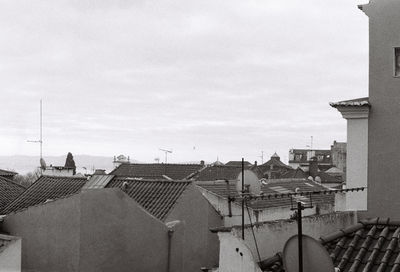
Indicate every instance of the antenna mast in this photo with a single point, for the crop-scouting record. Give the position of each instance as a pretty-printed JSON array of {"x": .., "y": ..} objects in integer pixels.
[
  {"x": 166, "y": 153},
  {"x": 262, "y": 157},
  {"x": 40, "y": 141}
]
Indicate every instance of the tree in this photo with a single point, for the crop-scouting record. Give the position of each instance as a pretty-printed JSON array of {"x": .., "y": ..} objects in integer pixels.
[
  {"x": 27, "y": 179},
  {"x": 70, "y": 163}
]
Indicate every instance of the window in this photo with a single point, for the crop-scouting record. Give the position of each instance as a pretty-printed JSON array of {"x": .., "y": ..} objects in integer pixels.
[{"x": 397, "y": 62}]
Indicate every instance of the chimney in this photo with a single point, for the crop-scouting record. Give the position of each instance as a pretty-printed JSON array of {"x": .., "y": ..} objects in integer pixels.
[
  {"x": 99, "y": 172},
  {"x": 313, "y": 168},
  {"x": 255, "y": 163},
  {"x": 201, "y": 162}
]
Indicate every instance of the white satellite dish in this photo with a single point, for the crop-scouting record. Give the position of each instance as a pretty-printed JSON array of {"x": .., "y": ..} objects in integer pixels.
[
  {"x": 42, "y": 164},
  {"x": 250, "y": 180},
  {"x": 315, "y": 256}
]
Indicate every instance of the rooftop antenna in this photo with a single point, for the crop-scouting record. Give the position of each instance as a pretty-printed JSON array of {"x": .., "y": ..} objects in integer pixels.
[
  {"x": 166, "y": 153},
  {"x": 262, "y": 157},
  {"x": 40, "y": 141}
]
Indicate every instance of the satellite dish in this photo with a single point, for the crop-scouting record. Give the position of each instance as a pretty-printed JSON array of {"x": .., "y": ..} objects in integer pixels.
[
  {"x": 250, "y": 180},
  {"x": 42, "y": 164},
  {"x": 315, "y": 256}
]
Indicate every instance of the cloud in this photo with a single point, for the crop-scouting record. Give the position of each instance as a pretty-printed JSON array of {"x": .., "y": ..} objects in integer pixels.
[{"x": 129, "y": 76}]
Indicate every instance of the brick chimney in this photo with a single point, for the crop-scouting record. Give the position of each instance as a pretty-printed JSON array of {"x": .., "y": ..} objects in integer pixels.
[{"x": 313, "y": 168}]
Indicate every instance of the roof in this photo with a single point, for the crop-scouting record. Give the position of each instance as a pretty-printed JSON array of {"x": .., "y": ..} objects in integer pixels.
[
  {"x": 45, "y": 188},
  {"x": 300, "y": 173},
  {"x": 7, "y": 173},
  {"x": 370, "y": 245},
  {"x": 359, "y": 102},
  {"x": 294, "y": 173},
  {"x": 9, "y": 191},
  {"x": 156, "y": 170},
  {"x": 158, "y": 197},
  {"x": 238, "y": 163},
  {"x": 97, "y": 181},
  {"x": 334, "y": 170},
  {"x": 275, "y": 161},
  {"x": 219, "y": 172},
  {"x": 273, "y": 190}
]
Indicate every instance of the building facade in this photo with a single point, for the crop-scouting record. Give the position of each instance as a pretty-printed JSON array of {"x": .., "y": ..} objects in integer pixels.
[{"x": 384, "y": 97}]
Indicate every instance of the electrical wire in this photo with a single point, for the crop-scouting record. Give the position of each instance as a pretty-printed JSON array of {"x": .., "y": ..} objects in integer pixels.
[{"x": 252, "y": 230}]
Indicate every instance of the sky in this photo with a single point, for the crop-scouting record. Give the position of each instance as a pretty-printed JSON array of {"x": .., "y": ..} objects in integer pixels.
[{"x": 206, "y": 79}]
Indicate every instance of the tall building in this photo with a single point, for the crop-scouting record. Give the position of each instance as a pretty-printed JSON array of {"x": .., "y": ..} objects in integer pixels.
[
  {"x": 384, "y": 98},
  {"x": 373, "y": 128}
]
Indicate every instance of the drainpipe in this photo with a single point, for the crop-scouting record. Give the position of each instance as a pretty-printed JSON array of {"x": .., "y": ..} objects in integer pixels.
[
  {"x": 170, "y": 233},
  {"x": 171, "y": 229}
]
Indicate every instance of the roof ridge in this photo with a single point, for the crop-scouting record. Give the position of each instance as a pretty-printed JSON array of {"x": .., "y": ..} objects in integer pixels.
[
  {"x": 151, "y": 180},
  {"x": 63, "y": 177},
  {"x": 12, "y": 182}
]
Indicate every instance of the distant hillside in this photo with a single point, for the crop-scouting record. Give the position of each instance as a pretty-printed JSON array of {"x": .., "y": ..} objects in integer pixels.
[{"x": 24, "y": 164}]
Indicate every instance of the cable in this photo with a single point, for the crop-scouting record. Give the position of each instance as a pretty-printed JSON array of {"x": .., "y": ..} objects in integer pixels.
[{"x": 252, "y": 230}]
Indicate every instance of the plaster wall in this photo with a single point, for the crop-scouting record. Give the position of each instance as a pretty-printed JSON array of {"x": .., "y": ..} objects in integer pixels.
[
  {"x": 97, "y": 230},
  {"x": 50, "y": 171},
  {"x": 272, "y": 236},
  {"x": 50, "y": 235},
  {"x": 118, "y": 235},
  {"x": 236, "y": 255},
  {"x": 384, "y": 97},
  {"x": 198, "y": 216},
  {"x": 357, "y": 163},
  {"x": 10, "y": 256}
]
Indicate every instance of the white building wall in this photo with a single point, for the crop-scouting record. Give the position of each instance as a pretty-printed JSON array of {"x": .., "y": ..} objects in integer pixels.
[
  {"x": 10, "y": 257},
  {"x": 235, "y": 256},
  {"x": 357, "y": 163}
]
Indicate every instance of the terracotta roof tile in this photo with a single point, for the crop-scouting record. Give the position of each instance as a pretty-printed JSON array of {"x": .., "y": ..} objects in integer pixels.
[
  {"x": 9, "y": 191},
  {"x": 158, "y": 197},
  {"x": 359, "y": 102},
  {"x": 156, "y": 170},
  {"x": 222, "y": 172},
  {"x": 45, "y": 188},
  {"x": 238, "y": 163},
  {"x": 370, "y": 245},
  {"x": 7, "y": 173},
  {"x": 273, "y": 190}
]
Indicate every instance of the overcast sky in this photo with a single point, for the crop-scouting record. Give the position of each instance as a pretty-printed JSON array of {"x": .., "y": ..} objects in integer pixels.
[{"x": 205, "y": 78}]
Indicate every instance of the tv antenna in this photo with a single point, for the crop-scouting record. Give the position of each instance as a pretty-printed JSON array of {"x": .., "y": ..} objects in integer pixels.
[
  {"x": 40, "y": 141},
  {"x": 262, "y": 157},
  {"x": 166, "y": 153},
  {"x": 311, "y": 143}
]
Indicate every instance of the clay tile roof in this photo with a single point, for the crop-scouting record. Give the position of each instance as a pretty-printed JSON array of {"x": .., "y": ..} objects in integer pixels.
[
  {"x": 7, "y": 173},
  {"x": 238, "y": 163},
  {"x": 359, "y": 102},
  {"x": 158, "y": 197},
  {"x": 46, "y": 188},
  {"x": 275, "y": 161},
  {"x": 9, "y": 191},
  {"x": 273, "y": 191},
  {"x": 370, "y": 245},
  {"x": 220, "y": 172},
  {"x": 156, "y": 170}
]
